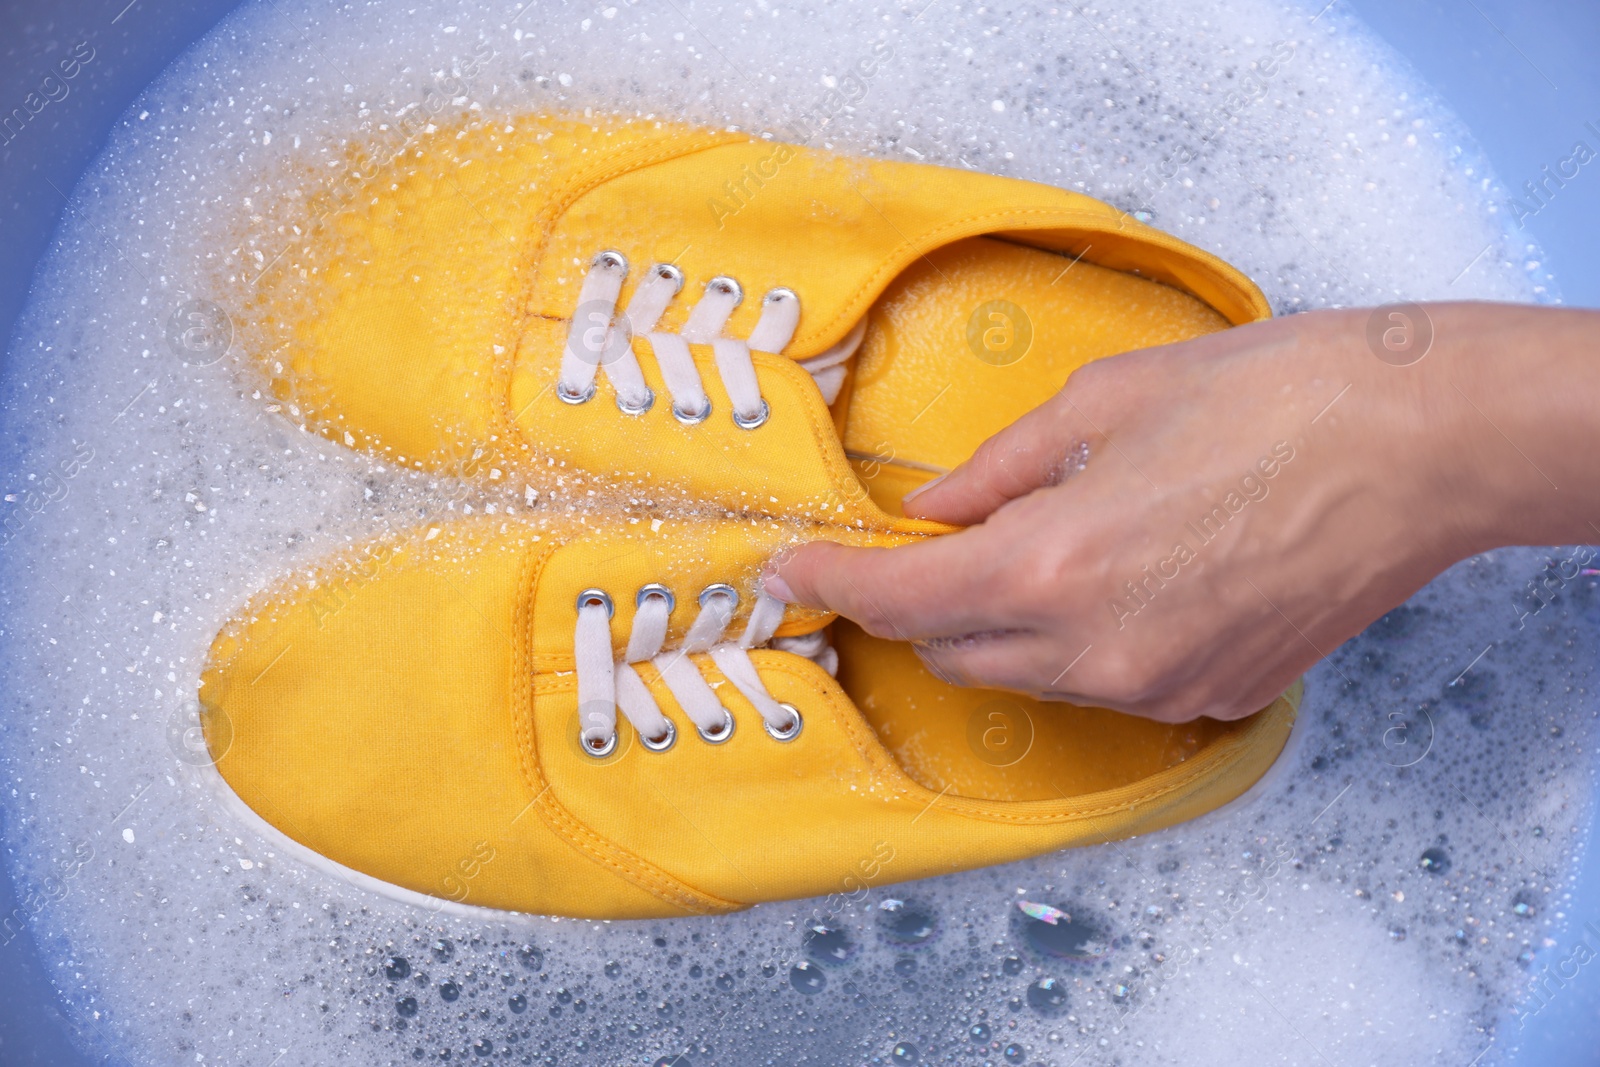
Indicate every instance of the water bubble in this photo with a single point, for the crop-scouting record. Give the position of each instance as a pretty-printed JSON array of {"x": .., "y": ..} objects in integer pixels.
[
  {"x": 1047, "y": 997},
  {"x": 905, "y": 966},
  {"x": 443, "y": 950},
  {"x": 832, "y": 945},
  {"x": 1435, "y": 861},
  {"x": 979, "y": 1032},
  {"x": 1524, "y": 906},
  {"x": 563, "y": 995},
  {"x": 1055, "y": 933},
  {"x": 807, "y": 978},
  {"x": 531, "y": 957},
  {"x": 1120, "y": 992},
  {"x": 725, "y": 981},
  {"x": 905, "y": 1052},
  {"x": 406, "y": 1007},
  {"x": 449, "y": 991},
  {"x": 1011, "y": 965},
  {"x": 1397, "y": 933},
  {"x": 679, "y": 1060},
  {"x": 905, "y": 922},
  {"x": 482, "y": 1047},
  {"x": 696, "y": 971},
  {"x": 1168, "y": 866},
  {"x": 613, "y": 968},
  {"x": 396, "y": 968},
  {"x": 518, "y": 1004},
  {"x": 1013, "y": 1052}
]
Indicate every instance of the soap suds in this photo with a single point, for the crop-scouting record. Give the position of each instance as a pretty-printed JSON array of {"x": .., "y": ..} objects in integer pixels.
[{"x": 1381, "y": 898}]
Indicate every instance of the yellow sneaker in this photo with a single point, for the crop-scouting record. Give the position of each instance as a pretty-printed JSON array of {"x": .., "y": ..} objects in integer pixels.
[
  {"x": 679, "y": 307},
  {"x": 615, "y": 723}
]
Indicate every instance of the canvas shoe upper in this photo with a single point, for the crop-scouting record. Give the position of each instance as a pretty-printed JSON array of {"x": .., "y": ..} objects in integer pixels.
[
  {"x": 679, "y": 307},
  {"x": 610, "y": 720}
]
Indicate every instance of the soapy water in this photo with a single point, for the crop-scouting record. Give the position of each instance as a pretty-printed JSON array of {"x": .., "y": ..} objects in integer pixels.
[{"x": 1383, "y": 896}]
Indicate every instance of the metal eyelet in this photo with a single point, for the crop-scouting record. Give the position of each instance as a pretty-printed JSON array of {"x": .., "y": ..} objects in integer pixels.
[
  {"x": 649, "y": 402},
  {"x": 719, "y": 589},
  {"x": 671, "y": 273},
  {"x": 604, "y": 749},
  {"x": 575, "y": 398},
  {"x": 610, "y": 259},
  {"x": 662, "y": 743},
  {"x": 655, "y": 589},
  {"x": 695, "y": 419},
  {"x": 755, "y": 420},
  {"x": 590, "y": 597},
  {"x": 782, "y": 292},
  {"x": 721, "y": 736},
  {"x": 724, "y": 284},
  {"x": 794, "y": 726}
]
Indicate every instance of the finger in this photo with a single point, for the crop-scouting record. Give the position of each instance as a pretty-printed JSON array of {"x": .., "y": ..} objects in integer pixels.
[
  {"x": 990, "y": 659},
  {"x": 1018, "y": 660},
  {"x": 1089, "y": 669},
  {"x": 926, "y": 589},
  {"x": 1042, "y": 448},
  {"x": 1121, "y": 679}
]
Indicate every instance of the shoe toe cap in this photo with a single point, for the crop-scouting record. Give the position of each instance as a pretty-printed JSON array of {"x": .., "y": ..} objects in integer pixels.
[{"x": 370, "y": 719}]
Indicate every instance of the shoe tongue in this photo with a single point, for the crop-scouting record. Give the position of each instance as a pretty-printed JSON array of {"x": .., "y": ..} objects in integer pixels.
[
  {"x": 829, "y": 368},
  {"x": 815, "y": 646}
]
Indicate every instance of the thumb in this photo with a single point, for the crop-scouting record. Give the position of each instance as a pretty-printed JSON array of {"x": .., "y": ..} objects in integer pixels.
[{"x": 1044, "y": 447}]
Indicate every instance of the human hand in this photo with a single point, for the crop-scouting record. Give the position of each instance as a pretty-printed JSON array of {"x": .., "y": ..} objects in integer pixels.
[{"x": 1184, "y": 530}]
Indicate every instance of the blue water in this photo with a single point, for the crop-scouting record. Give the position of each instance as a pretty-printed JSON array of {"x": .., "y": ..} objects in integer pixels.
[{"x": 1521, "y": 76}]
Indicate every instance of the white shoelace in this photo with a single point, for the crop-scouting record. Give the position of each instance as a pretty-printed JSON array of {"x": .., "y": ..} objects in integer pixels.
[
  {"x": 605, "y": 685},
  {"x": 599, "y": 338}
]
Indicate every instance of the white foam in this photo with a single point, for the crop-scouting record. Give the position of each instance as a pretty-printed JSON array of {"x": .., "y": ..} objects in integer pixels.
[{"x": 174, "y": 493}]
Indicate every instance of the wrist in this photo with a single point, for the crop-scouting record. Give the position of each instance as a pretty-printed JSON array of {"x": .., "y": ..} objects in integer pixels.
[{"x": 1507, "y": 399}]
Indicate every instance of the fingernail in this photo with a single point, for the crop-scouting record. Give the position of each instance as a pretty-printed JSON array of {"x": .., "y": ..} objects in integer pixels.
[
  {"x": 773, "y": 585},
  {"x": 923, "y": 488}
]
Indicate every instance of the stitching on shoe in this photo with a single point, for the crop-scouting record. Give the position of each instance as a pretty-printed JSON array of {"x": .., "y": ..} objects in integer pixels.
[
  {"x": 1202, "y": 770},
  {"x": 1195, "y": 775},
  {"x": 1095, "y": 221},
  {"x": 830, "y": 447},
  {"x": 608, "y": 854},
  {"x": 543, "y": 223},
  {"x": 616, "y": 858}
]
